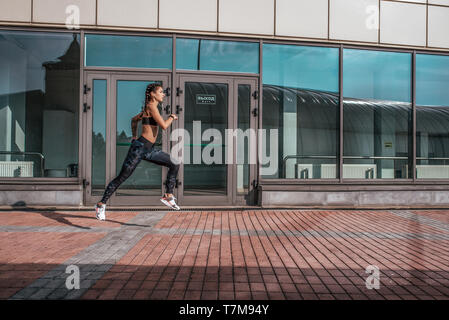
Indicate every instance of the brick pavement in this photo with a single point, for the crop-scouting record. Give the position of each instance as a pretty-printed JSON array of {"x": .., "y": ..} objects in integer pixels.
[{"x": 242, "y": 255}]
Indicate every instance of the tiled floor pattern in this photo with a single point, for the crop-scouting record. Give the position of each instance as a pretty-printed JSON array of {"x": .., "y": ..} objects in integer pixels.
[{"x": 254, "y": 254}]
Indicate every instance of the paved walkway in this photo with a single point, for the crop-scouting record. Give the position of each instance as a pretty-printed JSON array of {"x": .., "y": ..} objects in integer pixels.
[{"x": 254, "y": 254}]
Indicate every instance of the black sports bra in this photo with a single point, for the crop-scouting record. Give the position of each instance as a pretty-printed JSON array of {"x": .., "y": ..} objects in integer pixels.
[{"x": 149, "y": 120}]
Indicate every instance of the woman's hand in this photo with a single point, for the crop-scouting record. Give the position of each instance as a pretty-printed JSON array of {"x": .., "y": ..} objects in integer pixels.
[{"x": 174, "y": 116}]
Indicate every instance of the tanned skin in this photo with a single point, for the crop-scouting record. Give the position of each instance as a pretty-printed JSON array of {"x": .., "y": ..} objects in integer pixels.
[{"x": 149, "y": 132}]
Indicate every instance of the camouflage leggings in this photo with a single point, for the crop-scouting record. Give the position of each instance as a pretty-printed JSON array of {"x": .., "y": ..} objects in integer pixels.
[{"x": 138, "y": 152}]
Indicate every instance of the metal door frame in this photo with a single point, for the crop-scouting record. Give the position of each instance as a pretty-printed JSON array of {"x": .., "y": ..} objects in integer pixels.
[
  {"x": 231, "y": 198},
  {"x": 87, "y": 137},
  {"x": 250, "y": 198},
  {"x": 111, "y": 123}
]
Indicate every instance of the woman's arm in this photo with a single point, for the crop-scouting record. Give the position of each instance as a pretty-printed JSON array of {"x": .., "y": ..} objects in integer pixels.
[
  {"x": 134, "y": 122},
  {"x": 164, "y": 124}
]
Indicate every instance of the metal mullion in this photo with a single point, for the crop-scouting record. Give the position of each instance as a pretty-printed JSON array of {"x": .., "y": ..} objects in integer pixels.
[
  {"x": 111, "y": 124},
  {"x": 87, "y": 126},
  {"x": 218, "y": 38},
  {"x": 37, "y": 29},
  {"x": 181, "y": 119},
  {"x": 87, "y": 120},
  {"x": 438, "y": 53},
  {"x": 137, "y": 33},
  {"x": 172, "y": 102},
  {"x": 132, "y": 71},
  {"x": 349, "y": 46},
  {"x": 414, "y": 140},
  {"x": 259, "y": 124},
  {"x": 299, "y": 181},
  {"x": 26, "y": 180},
  {"x": 232, "y": 124},
  {"x": 302, "y": 43},
  {"x": 253, "y": 167},
  {"x": 82, "y": 131},
  {"x": 341, "y": 106},
  {"x": 216, "y": 73},
  {"x": 252, "y": 83}
]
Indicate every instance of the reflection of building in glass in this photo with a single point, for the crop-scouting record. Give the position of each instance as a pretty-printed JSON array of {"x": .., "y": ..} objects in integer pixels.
[
  {"x": 60, "y": 113},
  {"x": 40, "y": 126},
  {"x": 361, "y": 113}
]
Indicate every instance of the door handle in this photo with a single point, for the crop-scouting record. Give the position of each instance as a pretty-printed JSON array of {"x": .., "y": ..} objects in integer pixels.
[{"x": 167, "y": 109}]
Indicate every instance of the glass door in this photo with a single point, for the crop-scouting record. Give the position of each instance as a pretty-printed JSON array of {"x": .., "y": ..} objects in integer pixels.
[
  {"x": 96, "y": 147},
  {"x": 115, "y": 99},
  {"x": 246, "y": 124},
  {"x": 210, "y": 109}
]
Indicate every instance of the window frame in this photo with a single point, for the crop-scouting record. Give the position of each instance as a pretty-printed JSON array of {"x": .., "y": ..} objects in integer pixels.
[{"x": 283, "y": 184}]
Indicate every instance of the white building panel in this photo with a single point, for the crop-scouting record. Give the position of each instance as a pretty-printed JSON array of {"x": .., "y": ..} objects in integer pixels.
[
  {"x": 18, "y": 10},
  {"x": 63, "y": 11},
  {"x": 130, "y": 13},
  {"x": 246, "y": 16},
  {"x": 302, "y": 18},
  {"x": 402, "y": 23},
  {"x": 440, "y": 2},
  {"x": 188, "y": 15},
  {"x": 438, "y": 29},
  {"x": 354, "y": 20}
]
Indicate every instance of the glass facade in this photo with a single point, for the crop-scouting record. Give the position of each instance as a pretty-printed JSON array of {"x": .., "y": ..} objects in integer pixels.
[
  {"x": 39, "y": 99},
  {"x": 128, "y": 51},
  {"x": 432, "y": 116},
  {"x": 214, "y": 55},
  {"x": 377, "y": 116},
  {"x": 39, "y": 104},
  {"x": 301, "y": 102}
]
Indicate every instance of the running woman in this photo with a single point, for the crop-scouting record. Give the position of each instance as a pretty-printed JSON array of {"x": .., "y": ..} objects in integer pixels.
[{"x": 142, "y": 148}]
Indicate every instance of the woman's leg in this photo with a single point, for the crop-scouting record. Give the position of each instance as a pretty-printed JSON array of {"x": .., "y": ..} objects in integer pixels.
[
  {"x": 163, "y": 159},
  {"x": 132, "y": 159}
]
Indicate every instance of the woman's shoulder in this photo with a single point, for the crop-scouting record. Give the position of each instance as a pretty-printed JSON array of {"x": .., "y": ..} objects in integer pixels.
[{"x": 139, "y": 116}]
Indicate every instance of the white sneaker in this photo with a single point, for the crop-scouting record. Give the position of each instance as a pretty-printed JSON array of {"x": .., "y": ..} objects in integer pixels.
[
  {"x": 170, "y": 202},
  {"x": 100, "y": 212}
]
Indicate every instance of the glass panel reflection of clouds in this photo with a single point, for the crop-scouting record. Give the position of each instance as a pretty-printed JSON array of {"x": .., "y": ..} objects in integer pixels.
[{"x": 300, "y": 100}]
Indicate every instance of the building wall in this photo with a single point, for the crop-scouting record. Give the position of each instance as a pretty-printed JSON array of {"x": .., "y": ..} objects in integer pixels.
[
  {"x": 420, "y": 24},
  {"x": 411, "y": 23}
]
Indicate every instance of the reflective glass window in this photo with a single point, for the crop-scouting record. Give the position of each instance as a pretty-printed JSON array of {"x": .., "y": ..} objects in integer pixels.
[
  {"x": 300, "y": 112},
  {"x": 432, "y": 80},
  {"x": 39, "y": 104},
  {"x": 215, "y": 55},
  {"x": 377, "y": 114},
  {"x": 128, "y": 51},
  {"x": 432, "y": 116},
  {"x": 99, "y": 102}
]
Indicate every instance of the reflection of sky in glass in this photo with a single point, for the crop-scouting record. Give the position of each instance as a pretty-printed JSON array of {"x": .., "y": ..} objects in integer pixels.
[
  {"x": 432, "y": 80},
  {"x": 377, "y": 75},
  {"x": 187, "y": 54},
  {"x": 314, "y": 68},
  {"x": 128, "y": 51},
  {"x": 216, "y": 55},
  {"x": 25, "y": 52},
  {"x": 130, "y": 100}
]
